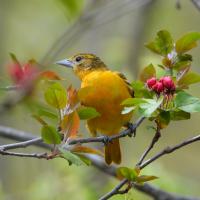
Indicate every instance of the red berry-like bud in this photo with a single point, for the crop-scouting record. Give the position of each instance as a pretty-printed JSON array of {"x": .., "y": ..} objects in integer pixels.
[
  {"x": 168, "y": 83},
  {"x": 158, "y": 87},
  {"x": 151, "y": 82}
]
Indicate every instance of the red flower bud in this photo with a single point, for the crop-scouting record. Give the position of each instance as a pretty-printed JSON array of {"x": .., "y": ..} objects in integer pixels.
[
  {"x": 16, "y": 72},
  {"x": 168, "y": 83},
  {"x": 158, "y": 87},
  {"x": 151, "y": 82}
]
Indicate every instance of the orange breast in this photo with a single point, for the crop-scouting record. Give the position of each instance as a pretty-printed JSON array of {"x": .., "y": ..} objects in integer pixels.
[{"x": 105, "y": 90}]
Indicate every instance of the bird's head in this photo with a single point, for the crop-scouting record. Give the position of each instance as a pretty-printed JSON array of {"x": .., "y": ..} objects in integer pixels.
[{"x": 82, "y": 64}]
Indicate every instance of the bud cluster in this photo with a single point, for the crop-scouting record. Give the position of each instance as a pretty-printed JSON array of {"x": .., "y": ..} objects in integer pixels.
[
  {"x": 165, "y": 85},
  {"x": 23, "y": 75}
]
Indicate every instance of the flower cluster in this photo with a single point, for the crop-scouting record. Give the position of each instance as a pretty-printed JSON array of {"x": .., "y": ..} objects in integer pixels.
[
  {"x": 23, "y": 75},
  {"x": 165, "y": 85}
]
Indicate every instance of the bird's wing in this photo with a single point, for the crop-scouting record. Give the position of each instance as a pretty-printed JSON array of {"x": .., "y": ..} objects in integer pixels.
[{"x": 130, "y": 89}]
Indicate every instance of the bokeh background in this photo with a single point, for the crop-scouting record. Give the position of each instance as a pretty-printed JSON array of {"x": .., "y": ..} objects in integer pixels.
[{"x": 116, "y": 31}]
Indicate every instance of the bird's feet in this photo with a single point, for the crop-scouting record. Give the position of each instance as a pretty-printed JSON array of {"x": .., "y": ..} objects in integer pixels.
[
  {"x": 132, "y": 128},
  {"x": 106, "y": 140}
]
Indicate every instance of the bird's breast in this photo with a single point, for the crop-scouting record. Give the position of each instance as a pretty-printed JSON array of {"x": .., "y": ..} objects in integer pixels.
[{"x": 105, "y": 91}]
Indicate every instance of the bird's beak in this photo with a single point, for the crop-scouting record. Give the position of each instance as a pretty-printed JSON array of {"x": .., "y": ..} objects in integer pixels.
[{"x": 66, "y": 63}]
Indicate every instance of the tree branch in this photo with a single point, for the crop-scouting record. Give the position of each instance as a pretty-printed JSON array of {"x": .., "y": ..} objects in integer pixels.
[
  {"x": 97, "y": 162},
  {"x": 105, "y": 139},
  {"x": 29, "y": 155},
  {"x": 117, "y": 190},
  {"x": 20, "y": 144},
  {"x": 169, "y": 150},
  {"x": 154, "y": 140},
  {"x": 196, "y": 3}
]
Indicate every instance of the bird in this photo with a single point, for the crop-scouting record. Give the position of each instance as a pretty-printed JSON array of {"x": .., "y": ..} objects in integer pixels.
[{"x": 105, "y": 91}]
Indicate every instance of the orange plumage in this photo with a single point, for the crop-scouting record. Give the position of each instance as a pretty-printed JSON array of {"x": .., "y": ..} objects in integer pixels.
[{"x": 105, "y": 91}]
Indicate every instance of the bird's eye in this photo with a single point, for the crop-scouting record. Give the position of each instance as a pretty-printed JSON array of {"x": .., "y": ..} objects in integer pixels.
[{"x": 78, "y": 59}]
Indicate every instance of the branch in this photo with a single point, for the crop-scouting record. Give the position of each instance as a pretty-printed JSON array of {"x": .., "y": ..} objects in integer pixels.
[
  {"x": 128, "y": 132},
  {"x": 97, "y": 162},
  {"x": 29, "y": 155},
  {"x": 196, "y": 3},
  {"x": 169, "y": 150},
  {"x": 20, "y": 144},
  {"x": 117, "y": 190},
  {"x": 13, "y": 134},
  {"x": 154, "y": 140}
]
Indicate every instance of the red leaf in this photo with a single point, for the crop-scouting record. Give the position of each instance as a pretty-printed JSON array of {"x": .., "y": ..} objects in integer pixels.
[
  {"x": 49, "y": 75},
  {"x": 70, "y": 124},
  {"x": 84, "y": 149},
  {"x": 72, "y": 95}
]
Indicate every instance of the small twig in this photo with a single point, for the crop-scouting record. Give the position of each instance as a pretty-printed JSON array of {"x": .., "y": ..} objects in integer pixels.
[
  {"x": 105, "y": 139},
  {"x": 11, "y": 133},
  {"x": 21, "y": 144},
  {"x": 154, "y": 140},
  {"x": 117, "y": 190},
  {"x": 29, "y": 155},
  {"x": 169, "y": 150}
]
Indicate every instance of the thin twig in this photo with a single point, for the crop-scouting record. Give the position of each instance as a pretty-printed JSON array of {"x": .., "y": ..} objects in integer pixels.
[
  {"x": 21, "y": 144},
  {"x": 29, "y": 155},
  {"x": 117, "y": 190},
  {"x": 154, "y": 140},
  {"x": 169, "y": 150}
]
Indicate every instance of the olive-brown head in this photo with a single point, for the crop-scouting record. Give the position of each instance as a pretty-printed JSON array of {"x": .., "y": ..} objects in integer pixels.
[{"x": 82, "y": 64}]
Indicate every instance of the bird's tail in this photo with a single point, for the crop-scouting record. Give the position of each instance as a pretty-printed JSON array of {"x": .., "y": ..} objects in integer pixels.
[{"x": 113, "y": 152}]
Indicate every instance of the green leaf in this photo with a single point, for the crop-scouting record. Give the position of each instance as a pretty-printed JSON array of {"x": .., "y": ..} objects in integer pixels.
[
  {"x": 14, "y": 59},
  {"x": 71, "y": 157},
  {"x": 86, "y": 160},
  {"x": 177, "y": 115},
  {"x": 56, "y": 96},
  {"x": 187, "y": 42},
  {"x": 163, "y": 43},
  {"x": 184, "y": 57},
  {"x": 140, "y": 90},
  {"x": 46, "y": 113},
  {"x": 50, "y": 135},
  {"x": 163, "y": 119},
  {"x": 188, "y": 79},
  {"x": 179, "y": 66},
  {"x": 133, "y": 101},
  {"x": 147, "y": 72},
  {"x": 127, "y": 110},
  {"x": 145, "y": 178},
  {"x": 187, "y": 102},
  {"x": 128, "y": 173},
  {"x": 86, "y": 113},
  {"x": 148, "y": 108}
]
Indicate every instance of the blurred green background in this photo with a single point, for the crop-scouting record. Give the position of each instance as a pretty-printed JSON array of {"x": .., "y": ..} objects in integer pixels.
[{"x": 116, "y": 31}]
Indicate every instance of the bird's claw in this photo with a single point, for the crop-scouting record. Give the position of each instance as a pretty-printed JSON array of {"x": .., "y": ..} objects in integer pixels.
[
  {"x": 106, "y": 140},
  {"x": 132, "y": 128}
]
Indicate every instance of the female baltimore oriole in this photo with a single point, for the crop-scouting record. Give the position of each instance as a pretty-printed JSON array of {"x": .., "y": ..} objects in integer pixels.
[{"x": 107, "y": 90}]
